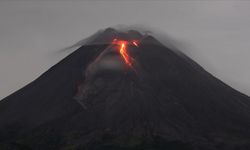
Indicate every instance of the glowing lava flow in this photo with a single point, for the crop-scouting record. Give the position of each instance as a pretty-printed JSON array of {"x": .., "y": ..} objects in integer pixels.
[{"x": 123, "y": 51}]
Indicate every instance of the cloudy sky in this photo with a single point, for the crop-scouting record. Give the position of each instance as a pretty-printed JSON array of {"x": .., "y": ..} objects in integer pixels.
[{"x": 216, "y": 34}]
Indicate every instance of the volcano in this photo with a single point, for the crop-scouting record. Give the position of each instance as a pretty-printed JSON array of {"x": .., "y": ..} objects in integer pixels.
[{"x": 125, "y": 90}]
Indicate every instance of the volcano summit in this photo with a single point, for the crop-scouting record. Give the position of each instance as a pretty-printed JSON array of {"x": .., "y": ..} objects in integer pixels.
[{"x": 125, "y": 90}]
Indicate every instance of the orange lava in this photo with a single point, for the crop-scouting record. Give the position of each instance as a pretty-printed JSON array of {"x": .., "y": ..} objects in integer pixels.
[{"x": 124, "y": 52}]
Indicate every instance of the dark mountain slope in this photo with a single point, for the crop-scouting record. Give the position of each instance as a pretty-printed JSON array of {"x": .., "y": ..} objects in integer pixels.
[{"x": 51, "y": 95}]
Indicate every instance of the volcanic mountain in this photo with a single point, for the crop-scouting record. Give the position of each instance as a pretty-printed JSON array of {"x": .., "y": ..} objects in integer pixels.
[{"x": 125, "y": 90}]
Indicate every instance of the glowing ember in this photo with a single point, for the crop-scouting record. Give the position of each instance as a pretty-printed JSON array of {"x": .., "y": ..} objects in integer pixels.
[
  {"x": 114, "y": 41},
  {"x": 135, "y": 43}
]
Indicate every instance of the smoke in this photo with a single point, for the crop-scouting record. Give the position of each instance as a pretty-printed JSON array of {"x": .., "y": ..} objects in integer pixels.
[
  {"x": 167, "y": 40},
  {"x": 80, "y": 43}
]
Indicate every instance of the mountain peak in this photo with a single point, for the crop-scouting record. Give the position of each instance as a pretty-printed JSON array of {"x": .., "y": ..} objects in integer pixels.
[{"x": 109, "y": 34}]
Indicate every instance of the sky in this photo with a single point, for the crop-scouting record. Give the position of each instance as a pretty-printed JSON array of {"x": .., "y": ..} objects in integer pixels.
[{"x": 216, "y": 34}]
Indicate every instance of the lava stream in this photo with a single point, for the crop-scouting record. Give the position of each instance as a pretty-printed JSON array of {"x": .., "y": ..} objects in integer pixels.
[{"x": 123, "y": 51}]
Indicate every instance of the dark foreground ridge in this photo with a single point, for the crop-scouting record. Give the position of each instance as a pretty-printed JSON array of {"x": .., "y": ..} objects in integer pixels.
[{"x": 92, "y": 100}]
